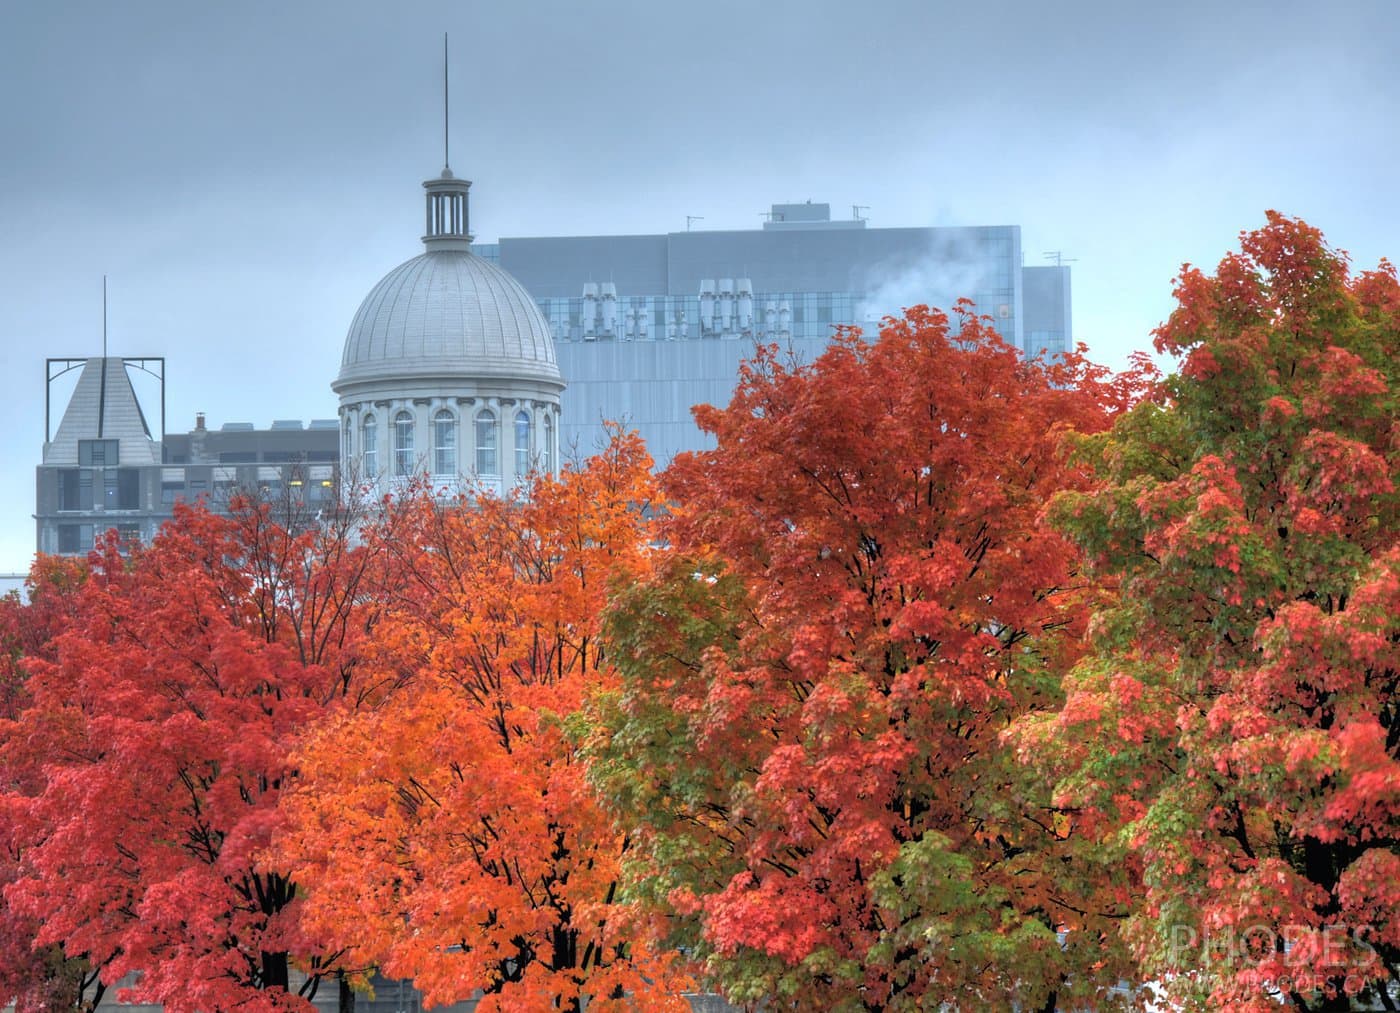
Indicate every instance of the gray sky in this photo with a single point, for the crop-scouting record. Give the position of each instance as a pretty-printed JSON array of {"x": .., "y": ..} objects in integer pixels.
[{"x": 245, "y": 172}]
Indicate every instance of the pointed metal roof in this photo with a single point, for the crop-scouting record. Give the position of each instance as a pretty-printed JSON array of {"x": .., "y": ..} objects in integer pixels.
[{"x": 104, "y": 407}]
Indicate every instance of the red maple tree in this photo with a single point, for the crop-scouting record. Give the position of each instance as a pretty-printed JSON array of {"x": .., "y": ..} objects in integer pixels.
[
  {"x": 164, "y": 712},
  {"x": 1235, "y": 724},
  {"x": 861, "y": 599},
  {"x": 32, "y": 977}
]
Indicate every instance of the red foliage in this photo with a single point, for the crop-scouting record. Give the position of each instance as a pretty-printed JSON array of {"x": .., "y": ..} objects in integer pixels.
[
  {"x": 1250, "y": 523},
  {"x": 816, "y": 691},
  {"x": 163, "y": 714}
]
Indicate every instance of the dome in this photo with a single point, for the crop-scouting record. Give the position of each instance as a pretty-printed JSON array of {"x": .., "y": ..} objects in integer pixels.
[{"x": 447, "y": 314}]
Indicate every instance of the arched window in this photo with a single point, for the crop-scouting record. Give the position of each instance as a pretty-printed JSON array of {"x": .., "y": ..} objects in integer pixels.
[
  {"x": 486, "y": 443},
  {"x": 347, "y": 443},
  {"x": 403, "y": 444},
  {"x": 522, "y": 445},
  {"x": 549, "y": 441},
  {"x": 444, "y": 443},
  {"x": 371, "y": 444}
]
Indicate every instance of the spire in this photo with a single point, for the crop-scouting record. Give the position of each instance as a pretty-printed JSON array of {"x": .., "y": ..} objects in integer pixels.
[
  {"x": 447, "y": 195},
  {"x": 446, "y": 119}
]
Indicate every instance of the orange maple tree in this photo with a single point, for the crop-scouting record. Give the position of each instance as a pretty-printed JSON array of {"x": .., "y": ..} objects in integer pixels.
[
  {"x": 860, "y": 598},
  {"x": 163, "y": 713},
  {"x": 1235, "y": 724},
  {"x": 442, "y": 828}
]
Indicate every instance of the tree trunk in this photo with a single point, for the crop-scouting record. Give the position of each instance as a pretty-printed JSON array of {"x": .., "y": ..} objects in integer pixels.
[
  {"x": 347, "y": 994},
  {"x": 274, "y": 970}
]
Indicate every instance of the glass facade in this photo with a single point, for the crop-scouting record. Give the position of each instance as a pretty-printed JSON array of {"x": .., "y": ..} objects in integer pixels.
[{"x": 981, "y": 264}]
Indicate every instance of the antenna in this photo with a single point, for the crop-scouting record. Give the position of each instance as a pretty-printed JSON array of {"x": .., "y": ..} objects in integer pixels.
[
  {"x": 104, "y": 316},
  {"x": 446, "y": 161},
  {"x": 1059, "y": 258},
  {"x": 856, "y": 209},
  {"x": 692, "y": 218}
]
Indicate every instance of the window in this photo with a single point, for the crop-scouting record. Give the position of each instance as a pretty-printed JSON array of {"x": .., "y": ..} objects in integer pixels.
[
  {"x": 486, "y": 444},
  {"x": 549, "y": 442},
  {"x": 74, "y": 538},
  {"x": 98, "y": 453},
  {"x": 225, "y": 483},
  {"x": 121, "y": 489},
  {"x": 371, "y": 445},
  {"x": 69, "y": 484},
  {"x": 522, "y": 444},
  {"x": 346, "y": 442},
  {"x": 172, "y": 485},
  {"x": 403, "y": 444},
  {"x": 444, "y": 443}
]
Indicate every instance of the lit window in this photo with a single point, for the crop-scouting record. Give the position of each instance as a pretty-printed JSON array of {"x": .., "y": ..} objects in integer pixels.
[
  {"x": 444, "y": 443},
  {"x": 522, "y": 444},
  {"x": 371, "y": 445},
  {"x": 121, "y": 489},
  {"x": 549, "y": 442},
  {"x": 486, "y": 444},
  {"x": 403, "y": 444}
]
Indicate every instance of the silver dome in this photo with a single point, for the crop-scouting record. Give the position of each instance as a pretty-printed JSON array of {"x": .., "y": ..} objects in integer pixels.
[{"x": 447, "y": 314}]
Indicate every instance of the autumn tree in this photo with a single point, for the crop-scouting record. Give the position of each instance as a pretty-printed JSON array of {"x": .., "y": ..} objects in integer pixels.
[
  {"x": 442, "y": 829},
  {"x": 32, "y": 977},
  {"x": 164, "y": 713},
  {"x": 1235, "y": 723},
  {"x": 858, "y": 601}
]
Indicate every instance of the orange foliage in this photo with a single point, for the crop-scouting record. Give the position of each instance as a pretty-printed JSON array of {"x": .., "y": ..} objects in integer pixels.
[{"x": 442, "y": 828}]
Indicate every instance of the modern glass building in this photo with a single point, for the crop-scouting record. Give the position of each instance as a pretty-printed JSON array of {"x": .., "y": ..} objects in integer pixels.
[{"x": 647, "y": 326}]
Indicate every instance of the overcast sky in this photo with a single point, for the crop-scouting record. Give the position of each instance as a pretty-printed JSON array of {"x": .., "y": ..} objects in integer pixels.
[{"x": 244, "y": 172}]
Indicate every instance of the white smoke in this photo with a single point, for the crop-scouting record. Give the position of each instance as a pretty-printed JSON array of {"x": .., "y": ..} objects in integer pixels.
[{"x": 950, "y": 268}]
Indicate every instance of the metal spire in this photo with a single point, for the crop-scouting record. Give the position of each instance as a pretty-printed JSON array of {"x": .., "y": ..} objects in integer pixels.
[{"x": 446, "y": 161}]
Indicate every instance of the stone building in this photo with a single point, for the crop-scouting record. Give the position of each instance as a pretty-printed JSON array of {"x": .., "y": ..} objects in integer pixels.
[{"x": 449, "y": 368}]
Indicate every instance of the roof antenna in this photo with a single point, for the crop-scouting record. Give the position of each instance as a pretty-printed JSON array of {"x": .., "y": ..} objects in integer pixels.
[
  {"x": 104, "y": 316},
  {"x": 446, "y": 162}
]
